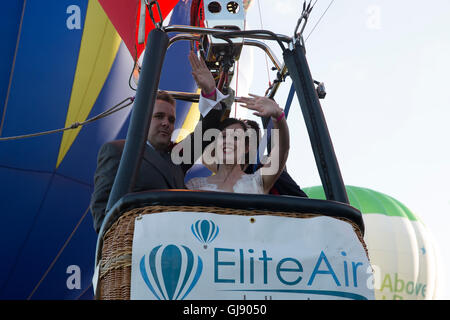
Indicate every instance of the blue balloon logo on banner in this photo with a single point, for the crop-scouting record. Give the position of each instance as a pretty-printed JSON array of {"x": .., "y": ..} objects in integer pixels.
[
  {"x": 172, "y": 270},
  {"x": 205, "y": 231}
]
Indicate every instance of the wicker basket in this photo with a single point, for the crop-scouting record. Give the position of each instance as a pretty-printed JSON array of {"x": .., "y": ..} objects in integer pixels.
[{"x": 115, "y": 265}]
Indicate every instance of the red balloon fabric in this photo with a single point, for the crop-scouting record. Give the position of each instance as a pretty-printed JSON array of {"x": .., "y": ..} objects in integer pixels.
[{"x": 124, "y": 15}]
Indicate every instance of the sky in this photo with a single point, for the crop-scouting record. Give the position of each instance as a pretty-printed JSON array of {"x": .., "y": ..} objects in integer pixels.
[{"x": 385, "y": 65}]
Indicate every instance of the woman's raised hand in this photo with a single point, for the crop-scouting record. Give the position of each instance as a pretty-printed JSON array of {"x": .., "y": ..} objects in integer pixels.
[
  {"x": 263, "y": 106},
  {"x": 266, "y": 107}
]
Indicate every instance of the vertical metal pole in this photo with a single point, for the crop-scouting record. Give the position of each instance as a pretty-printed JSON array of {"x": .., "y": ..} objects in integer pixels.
[
  {"x": 157, "y": 43},
  {"x": 319, "y": 135},
  {"x": 155, "y": 51}
]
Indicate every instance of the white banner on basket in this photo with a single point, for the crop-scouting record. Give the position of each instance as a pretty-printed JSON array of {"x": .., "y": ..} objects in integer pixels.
[{"x": 206, "y": 256}]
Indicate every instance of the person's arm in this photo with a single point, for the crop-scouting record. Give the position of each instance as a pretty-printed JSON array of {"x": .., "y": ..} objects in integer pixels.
[
  {"x": 107, "y": 165},
  {"x": 210, "y": 96},
  {"x": 265, "y": 107},
  {"x": 211, "y": 110}
]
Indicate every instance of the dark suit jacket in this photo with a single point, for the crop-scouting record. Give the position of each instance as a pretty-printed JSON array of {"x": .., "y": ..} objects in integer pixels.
[
  {"x": 156, "y": 171},
  {"x": 286, "y": 186}
]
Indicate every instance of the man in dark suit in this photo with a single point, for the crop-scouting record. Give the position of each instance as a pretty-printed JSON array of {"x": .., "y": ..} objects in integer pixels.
[{"x": 157, "y": 171}]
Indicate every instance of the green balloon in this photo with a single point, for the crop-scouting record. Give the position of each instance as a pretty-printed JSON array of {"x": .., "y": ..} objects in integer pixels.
[
  {"x": 368, "y": 201},
  {"x": 402, "y": 251}
]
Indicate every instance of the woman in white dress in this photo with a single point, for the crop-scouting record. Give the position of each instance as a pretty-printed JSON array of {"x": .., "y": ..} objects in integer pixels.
[{"x": 235, "y": 148}]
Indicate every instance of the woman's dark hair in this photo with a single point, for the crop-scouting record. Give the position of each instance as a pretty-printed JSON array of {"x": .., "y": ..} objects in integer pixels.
[
  {"x": 230, "y": 121},
  {"x": 253, "y": 167},
  {"x": 255, "y": 126}
]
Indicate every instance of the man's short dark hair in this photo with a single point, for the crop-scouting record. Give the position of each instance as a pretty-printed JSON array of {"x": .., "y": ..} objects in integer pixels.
[{"x": 165, "y": 96}]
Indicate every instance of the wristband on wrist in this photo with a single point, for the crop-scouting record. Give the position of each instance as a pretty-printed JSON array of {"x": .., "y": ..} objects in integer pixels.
[
  {"x": 281, "y": 116},
  {"x": 209, "y": 95}
]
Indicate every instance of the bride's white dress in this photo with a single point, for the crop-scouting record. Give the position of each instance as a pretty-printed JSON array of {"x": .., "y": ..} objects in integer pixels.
[{"x": 248, "y": 183}]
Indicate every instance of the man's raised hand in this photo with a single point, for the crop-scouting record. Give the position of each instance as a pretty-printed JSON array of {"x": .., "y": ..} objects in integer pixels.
[{"x": 200, "y": 72}]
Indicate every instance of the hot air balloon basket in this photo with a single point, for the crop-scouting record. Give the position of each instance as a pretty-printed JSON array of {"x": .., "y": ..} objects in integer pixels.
[{"x": 115, "y": 265}]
